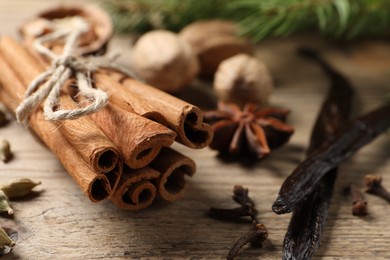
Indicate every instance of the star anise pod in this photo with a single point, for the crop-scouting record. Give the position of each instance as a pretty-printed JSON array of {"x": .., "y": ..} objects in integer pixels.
[{"x": 252, "y": 130}]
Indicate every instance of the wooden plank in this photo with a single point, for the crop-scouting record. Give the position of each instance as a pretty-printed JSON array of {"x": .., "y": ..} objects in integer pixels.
[{"x": 60, "y": 222}]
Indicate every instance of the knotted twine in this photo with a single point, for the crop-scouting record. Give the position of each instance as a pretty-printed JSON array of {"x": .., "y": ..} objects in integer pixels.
[{"x": 48, "y": 84}]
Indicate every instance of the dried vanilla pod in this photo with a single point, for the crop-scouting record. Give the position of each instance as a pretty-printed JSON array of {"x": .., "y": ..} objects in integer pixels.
[
  {"x": 18, "y": 187},
  {"x": 4, "y": 205},
  {"x": 5, "y": 150}
]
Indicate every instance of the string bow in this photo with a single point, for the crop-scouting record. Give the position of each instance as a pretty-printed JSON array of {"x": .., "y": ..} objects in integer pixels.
[{"x": 48, "y": 84}]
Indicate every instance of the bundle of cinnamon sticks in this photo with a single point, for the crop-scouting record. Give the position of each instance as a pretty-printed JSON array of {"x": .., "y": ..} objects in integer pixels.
[{"x": 122, "y": 152}]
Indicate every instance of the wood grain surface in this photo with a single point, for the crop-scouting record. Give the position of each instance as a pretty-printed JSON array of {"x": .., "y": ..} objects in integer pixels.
[{"x": 59, "y": 222}]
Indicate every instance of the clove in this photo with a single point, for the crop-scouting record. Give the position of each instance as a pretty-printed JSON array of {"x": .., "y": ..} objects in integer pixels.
[
  {"x": 374, "y": 186},
  {"x": 359, "y": 204},
  {"x": 240, "y": 195},
  {"x": 232, "y": 214},
  {"x": 256, "y": 235},
  {"x": 3, "y": 118},
  {"x": 247, "y": 209},
  {"x": 5, "y": 150}
]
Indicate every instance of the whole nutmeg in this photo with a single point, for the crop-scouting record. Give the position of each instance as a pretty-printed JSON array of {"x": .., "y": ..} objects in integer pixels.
[
  {"x": 241, "y": 79},
  {"x": 214, "y": 41},
  {"x": 164, "y": 60}
]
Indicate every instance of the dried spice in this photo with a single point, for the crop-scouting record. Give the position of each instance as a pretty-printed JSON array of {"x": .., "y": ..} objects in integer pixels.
[
  {"x": 256, "y": 235},
  {"x": 5, "y": 150},
  {"x": 247, "y": 209},
  {"x": 164, "y": 60},
  {"x": 303, "y": 180},
  {"x": 251, "y": 130},
  {"x": 307, "y": 222},
  {"x": 374, "y": 186},
  {"x": 91, "y": 41},
  {"x": 232, "y": 214},
  {"x": 359, "y": 204},
  {"x": 18, "y": 187},
  {"x": 241, "y": 79},
  {"x": 6, "y": 243},
  {"x": 241, "y": 196},
  {"x": 4, "y": 204},
  {"x": 214, "y": 41},
  {"x": 3, "y": 118}
]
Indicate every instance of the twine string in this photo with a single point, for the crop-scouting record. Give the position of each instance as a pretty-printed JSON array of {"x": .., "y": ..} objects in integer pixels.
[{"x": 47, "y": 86}]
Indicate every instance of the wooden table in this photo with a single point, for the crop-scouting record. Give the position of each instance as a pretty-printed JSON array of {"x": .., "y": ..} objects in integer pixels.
[{"x": 59, "y": 222}]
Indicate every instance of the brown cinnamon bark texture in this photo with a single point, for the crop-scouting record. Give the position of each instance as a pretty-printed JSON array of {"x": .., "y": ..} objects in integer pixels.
[
  {"x": 173, "y": 167},
  {"x": 95, "y": 186},
  {"x": 135, "y": 190},
  {"x": 94, "y": 147},
  {"x": 138, "y": 139},
  {"x": 183, "y": 118}
]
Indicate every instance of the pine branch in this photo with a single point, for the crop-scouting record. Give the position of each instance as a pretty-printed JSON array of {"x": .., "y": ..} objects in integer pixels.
[
  {"x": 341, "y": 19},
  {"x": 144, "y": 15}
]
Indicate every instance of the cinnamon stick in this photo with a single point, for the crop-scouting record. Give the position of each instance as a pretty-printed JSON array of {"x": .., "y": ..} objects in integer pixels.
[
  {"x": 93, "y": 145},
  {"x": 95, "y": 186},
  {"x": 135, "y": 190},
  {"x": 138, "y": 139},
  {"x": 89, "y": 140},
  {"x": 183, "y": 118},
  {"x": 143, "y": 139},
  {"x": 173, "y": 167}
]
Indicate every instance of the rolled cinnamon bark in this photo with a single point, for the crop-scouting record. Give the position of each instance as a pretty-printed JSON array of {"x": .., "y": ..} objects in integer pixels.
[
  {"x": 95, "y": 186},
  {"x": 173, "y": 166},
  {"x": 183, "y": 118},
  {"x": 92, "y": 144},
  {"x": 138, "y": 139},
  {"x": 94, "y": 147},
  {"x": 135, "y": 190}
]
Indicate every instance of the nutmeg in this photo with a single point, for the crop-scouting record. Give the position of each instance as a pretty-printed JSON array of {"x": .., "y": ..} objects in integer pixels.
[
  {"x": 214, "y": 41},
  {"x": 164, "y": 60},
  {"x": 241, "y": 79}
]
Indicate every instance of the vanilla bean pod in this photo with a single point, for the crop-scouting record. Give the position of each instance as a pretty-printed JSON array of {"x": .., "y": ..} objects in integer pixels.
[
  {"x": 306, "y": 225},
  {"x": 303, "y": 180}
]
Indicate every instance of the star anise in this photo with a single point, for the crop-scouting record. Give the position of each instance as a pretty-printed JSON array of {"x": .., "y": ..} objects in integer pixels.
[{"x": 252, "y": 130}]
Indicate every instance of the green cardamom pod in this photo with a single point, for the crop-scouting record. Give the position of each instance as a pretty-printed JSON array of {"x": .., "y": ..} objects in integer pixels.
[
  {"x": 5, "y": 150},
  {"x": 4, "y": 205},
  {"x": 5, "y": 240},
  {"x": 18, "y": 187}
]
